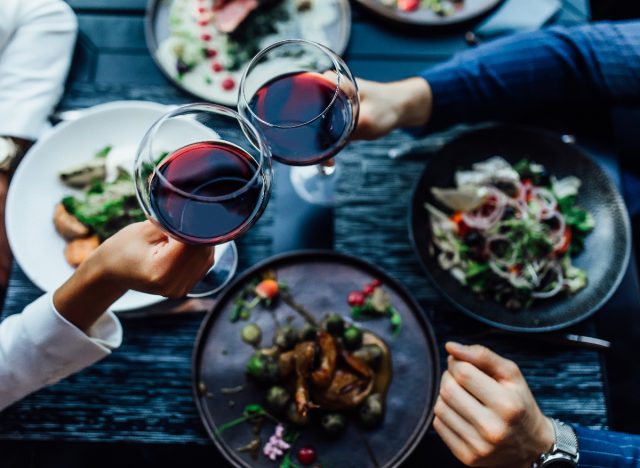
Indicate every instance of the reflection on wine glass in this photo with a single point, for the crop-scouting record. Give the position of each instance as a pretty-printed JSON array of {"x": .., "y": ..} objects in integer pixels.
[
  {"x": 304, "y": 100},
  {"x": 203, "y": 175}
]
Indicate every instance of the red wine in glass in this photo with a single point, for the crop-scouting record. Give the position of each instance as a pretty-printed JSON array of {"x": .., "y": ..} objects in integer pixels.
[
  {"x": 213, "y": 200},
  {"x": 300, "y": 119}
]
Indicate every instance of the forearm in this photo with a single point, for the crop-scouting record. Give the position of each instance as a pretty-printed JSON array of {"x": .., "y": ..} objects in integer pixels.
[
  {"x": 604, "y": 448},
  {"x": 509, "y": 78},
  {"x": 88, "y": 293}
]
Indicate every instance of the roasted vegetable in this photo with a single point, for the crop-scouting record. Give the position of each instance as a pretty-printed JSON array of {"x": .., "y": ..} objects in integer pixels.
[
  {"x": 278, "y": 398},
  {"x": 352, "y": 337},
  {"x": 285, "y": 337},
  {"x": 371, "y": 412},
  {"x": 68, "y": 225},
  {"x": 263, "y": 368},
  {"x": 78, "y": 250},
  {"x": 308, "y": 332},
  {"x": 335, "y": 324},
  {"x": 251, "y": 334},
  {"x": 333, "y": 423},
  {"x": 371, "y": 354}
]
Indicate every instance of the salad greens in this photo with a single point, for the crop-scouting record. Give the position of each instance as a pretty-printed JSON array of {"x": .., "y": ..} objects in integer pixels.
[{"x": 512, "y": 232}]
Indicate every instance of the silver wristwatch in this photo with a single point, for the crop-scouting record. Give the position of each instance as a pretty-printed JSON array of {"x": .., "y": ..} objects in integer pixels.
[
  {"x": 564, "y": 453},
  {"x": 9, "y": 153}
]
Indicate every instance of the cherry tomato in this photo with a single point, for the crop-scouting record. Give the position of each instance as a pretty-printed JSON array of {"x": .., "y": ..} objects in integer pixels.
[
  {"x": 368, "y": 289},
  {"x": 267, "y": 289},
  {"x": 408, "y": 5},
  {"x": 306, "y": 455},
  {"x": 376, "y": 283},
  {"x": 355, "y": 299}
]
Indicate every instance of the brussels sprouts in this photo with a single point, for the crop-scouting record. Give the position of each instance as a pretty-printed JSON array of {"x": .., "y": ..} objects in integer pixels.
[
  {"x": 371, "y": 354},
  {"x": 308, "y": 332},
  {"x": 333, "y": 423},
  {"x": 334, "y": 324},
  {"x": 371, "y": 411},
  {"x": 277, "y": 398},
  {"x": 352, "y": 337},
  {"x": 295, "y": 417},
  {"x": 262, "y": 368},
  {"x": 286, "y": 337},
  {"x": 251, "y": 334}
]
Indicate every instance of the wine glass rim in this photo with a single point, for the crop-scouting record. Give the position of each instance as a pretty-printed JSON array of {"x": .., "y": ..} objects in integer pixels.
[
  {"x": 328, "y": 52},
  {"x": 145, "y": 149}
]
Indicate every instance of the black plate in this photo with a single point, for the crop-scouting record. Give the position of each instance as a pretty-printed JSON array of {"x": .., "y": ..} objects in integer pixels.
[
  {"x": 321, "y": 281},
  {"x": 607, "y": 248},
  {"x": 471, "y": 10},
  {"x": 157, "y": 29}
]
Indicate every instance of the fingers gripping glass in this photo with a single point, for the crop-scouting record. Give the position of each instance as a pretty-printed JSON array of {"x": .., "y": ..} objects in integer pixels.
[
  {"x": 304, "y": 100},
  {"x": 203, "y": 175}
]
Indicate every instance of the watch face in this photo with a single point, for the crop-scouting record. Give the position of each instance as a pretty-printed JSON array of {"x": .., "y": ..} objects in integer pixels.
[{"x": 559, "y": 464}]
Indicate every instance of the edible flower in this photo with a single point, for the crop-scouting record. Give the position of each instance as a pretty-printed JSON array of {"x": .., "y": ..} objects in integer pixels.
[{"x": 277, "y": 445}]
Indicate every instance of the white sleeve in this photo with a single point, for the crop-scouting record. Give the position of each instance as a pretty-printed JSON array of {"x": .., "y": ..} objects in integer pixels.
[
  {"x": 39, "y": 36},
  {"x": 38, "y": 347}
]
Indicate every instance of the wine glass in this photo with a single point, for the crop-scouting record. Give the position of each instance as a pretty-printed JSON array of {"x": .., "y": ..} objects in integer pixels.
[
  {"x": 304, "y": 100},
  {"x": 203, "y": 175}
]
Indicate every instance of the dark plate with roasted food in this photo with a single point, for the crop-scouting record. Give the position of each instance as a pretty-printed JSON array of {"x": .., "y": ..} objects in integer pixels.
[
  {"x": 315, "y": 358},
  {"x": 203, "y": 46},
  {"x": 430, "y": 12},
  {"x": 518, "y": 228}
]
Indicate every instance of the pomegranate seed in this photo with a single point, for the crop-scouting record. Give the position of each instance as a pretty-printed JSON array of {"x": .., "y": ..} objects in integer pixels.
[
  {"x": 228, "y": 84},
  {"x": 217, "y": 67},
  {"x": 306, "y": 455},
  {"x": 203, "y": 22},
  {"x": 210, "y": 53},
  {"x": 376, "y": 283},
  {"x": 201, "y": 9},
  {"x": 368, "y": 290},
  {"x": 206, "y": 37},
  {"x": 355, "y": 299}
]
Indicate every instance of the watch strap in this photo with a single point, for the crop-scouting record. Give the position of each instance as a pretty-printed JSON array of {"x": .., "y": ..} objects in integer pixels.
[{"x": 566, "y": 439}]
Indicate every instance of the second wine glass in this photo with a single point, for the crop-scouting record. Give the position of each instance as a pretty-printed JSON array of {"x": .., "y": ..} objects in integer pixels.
[{"x": 304, "y": 100}]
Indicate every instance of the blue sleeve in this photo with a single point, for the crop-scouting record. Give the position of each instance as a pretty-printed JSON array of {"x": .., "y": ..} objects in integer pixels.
[
  {"x": 597, "y": 63},
  {"x": 605, "y": 449}
]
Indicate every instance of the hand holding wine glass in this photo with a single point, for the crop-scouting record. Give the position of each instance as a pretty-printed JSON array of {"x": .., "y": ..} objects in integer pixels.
[
  {"x": 203, "y": 175},
  {"x": 304, "y": 100}
]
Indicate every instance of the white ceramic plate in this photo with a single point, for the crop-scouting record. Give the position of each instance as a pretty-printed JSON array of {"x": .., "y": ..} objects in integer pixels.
[{"x": 36, "y": 188}]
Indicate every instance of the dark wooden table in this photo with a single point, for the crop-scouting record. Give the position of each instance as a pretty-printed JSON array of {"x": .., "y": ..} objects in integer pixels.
[{"x": 140, "y": 397}]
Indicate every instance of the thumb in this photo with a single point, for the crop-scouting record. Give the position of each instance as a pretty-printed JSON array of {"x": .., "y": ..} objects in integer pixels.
[{"x": 484, "y": 359}]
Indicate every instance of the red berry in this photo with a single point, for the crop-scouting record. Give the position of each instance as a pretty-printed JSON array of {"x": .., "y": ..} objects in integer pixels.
[
  {"x": 205, "y": 37},
  {"x": 203, "y": 22},
  {"x": 228, "y": 84},
  {"x": 376, "y": 283},
  {"x": 217, "y": 67},
  {"x": 210, "y": 53},
  {"x": 368, "y": 289},
  {"x": 201, "y": 9},
  {"x": 306, "y": 455},
  {"x": 355, "y": 299}
]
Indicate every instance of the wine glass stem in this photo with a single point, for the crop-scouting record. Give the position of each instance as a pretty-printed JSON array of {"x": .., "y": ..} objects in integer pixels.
[{"x": 327, "y": 168}]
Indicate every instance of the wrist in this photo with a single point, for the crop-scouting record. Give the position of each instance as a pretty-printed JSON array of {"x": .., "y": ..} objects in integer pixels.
[
  {"x": 413, "y": 107},
  {"x": 88, "y": 293},
  {"x": 544, "y": 437}
]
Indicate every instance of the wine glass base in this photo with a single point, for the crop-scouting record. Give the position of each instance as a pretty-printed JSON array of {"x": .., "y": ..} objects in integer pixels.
[
  {"x": 223, "y": 270},
  {"x": 314, "y": 184}
]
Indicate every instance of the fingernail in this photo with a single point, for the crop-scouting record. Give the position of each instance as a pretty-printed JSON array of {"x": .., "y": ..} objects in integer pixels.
[{"x": 455, "y": 347}]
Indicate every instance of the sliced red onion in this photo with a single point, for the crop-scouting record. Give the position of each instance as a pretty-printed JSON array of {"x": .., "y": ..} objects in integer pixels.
[
  {"x": 557, "y": 288},
  {"x": 478, "y": 220},
  {"x": 547, "y": 201},
  {"x": 557, "y": 235},
  {"x": 499, "y": 238}
]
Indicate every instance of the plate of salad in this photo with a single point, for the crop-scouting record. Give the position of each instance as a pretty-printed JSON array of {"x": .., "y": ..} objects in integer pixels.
[
  {"x": 308, "y": 359},
  {"x": 430, "y": 12},
  {"x": 203, "y": 45},
  {"x": 520, "y": 229}
]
